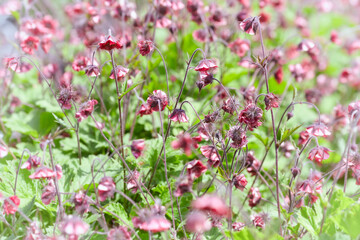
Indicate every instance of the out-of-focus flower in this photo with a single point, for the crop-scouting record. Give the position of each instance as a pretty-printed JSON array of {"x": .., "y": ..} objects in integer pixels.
[
  {"x": 32, "y": 162},
  {"x": 119, "y": 233},
  {"x": 49, "y": 193},
  {"x": 120, "y": 73},
  {"x": 137, "y": 147},
  {"x": 239, "y": 47},
  {"x": 110, "y": 44},
  {"x": 81, "y": 202},
  {"x": 106, "y": 188},
  {"x": 212, "y": 204},
  {"x": 240, "y": 182},
  {"x": 146, "y": 47},
  {"x": 195, "y": 169},
  {"x": 197, "y": 222},
  {"x": 11, "y": 208},
  {"x": 42, "y": 172},
  {"x": 73, "y": 226},
  {"x": 238, "y": 226},
  {"x": 30, "y": 44},
  {"x": 211, "y": 154},
  {"x": 250, "y": 25},
  {"x": 132, "y": 179},
  {"x": 85, "y": 110},
  {"x": 185, "y": 142},
  {"x": 254, "y": 197}
]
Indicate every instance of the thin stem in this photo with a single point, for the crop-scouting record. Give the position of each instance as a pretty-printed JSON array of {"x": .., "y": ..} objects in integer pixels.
[{"x": 166, "y": 72}]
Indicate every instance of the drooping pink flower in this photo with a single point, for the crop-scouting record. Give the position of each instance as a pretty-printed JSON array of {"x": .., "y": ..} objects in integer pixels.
[
  {"x": 145, "y": 109},
  {"x": 11, "y": 208},
  {"x": 106, "y": 188},
  {"x": 197, "y": 222},
  {"x": 137, "y": 147},
  {"x": 42, "y": 172},
  {"x": 271, "y": 101},
  {"x": 239, "y": 47},
  {"x": 238, "y": 226},
  {"x": 334, "y": 38},
  {"x": 318, "y": 154},
  {"x": 46, "y": 44},
  {"x": 65, "y": 97},
  {"x": 254, "y": 197},
  {"x": 298, "y": 72},
  {"x": 120, "y": 73},
  {"x": 80, "y": 63},
  {"x": 131, "y": 182},
  {"x": 211, "y": 154},
  {"x": 49, "y": 193},
  {"x": 157, "y": 98},
  {"x": 178, "y": 115},
  {"x": 195, "y": 169},
  {"x": 240, "y": 182},
  {"x": 110, "y": 44},
  {"x": 250, "y": 25},
  {"x": 92, "y": 71},
  {"x": 258, "y": 221},
  {"x": 206, "y": 65},
  {"x": 229, "y": 106},
  {"x": 152, "y": 220},
  {"x": 185, "y": 142},
  {"x": 238, "y": 136},
  {"x": 213, "y": 204},
  {"x": 85, "y": 110},
  {"x": 184, "y": 185},
  {"x": 252, "y": 163},
  {"x": 303, "y": 137},
  {"x": 32, "y": 162},
  {"x": 251, "y": 116},
  {"x": 146, "y": 47},
  {"x": 81, "y": 202},
  {"x": 73, "y": 226},
  {"x": 119, "y": 233},
  {"x": 30, "y": 44},
  {"x": 287, "y": 148},
  {"x": 318, "y": 130}
]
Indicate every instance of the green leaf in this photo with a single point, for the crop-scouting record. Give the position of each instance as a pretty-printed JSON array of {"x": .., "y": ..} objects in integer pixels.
[
  {"x": 130, "y": 88},
  {"x": 264, "y": 140}
]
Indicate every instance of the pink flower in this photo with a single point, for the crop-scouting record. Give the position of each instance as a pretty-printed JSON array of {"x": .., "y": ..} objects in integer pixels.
[
  {"x": 229, "y": 106},
  {"x": 211, "y": 154},
  {"x": 119, "y": 233},
  {"x": 152, "y": 220},
  {"x": 206, "y": 65},
  {"x": 239, "y": 47},
  {"x": 49, "y": 193},
  {"x": 65, "y": 97},
  {"x": 197, "y": 222},
  {"x": 271, "y": 101},
  {"x": 157, "y": 101},
  {"x": 106, "y": 188},
  {"x": 3, "y": 151},
  {"x": 212, "y": 204},
  {"x": 42, "y": 172},
  {"x": 238, "y": 137},
  {"x": 195, "y": 169},
  {"x": 46, "y": 44},
  {"x": 303, "y": 137},
  {"x": 258, "y": 221},
  {"x": 11, "y": 208},
  {"x": 252, "y": 163},
  {"x": 81, "y": 202},
  {"x": 34, "y": 232},
  {"x": 240, "y": 182},
  {"x": 30, "y": 44},
  {"x": 137, "y": 147},
  {"x": 145, "y": 109},
  {"x": 250, "y": 25},
  {"x": 132, "y": 180},
  {"x": 334, "y": 38},
  {"x": 298, "y": 72},
  {"x": 318, "y": 154},
  {"x": 85, "y": 110},
  {"x": 238, "y": 226},
  {"x": 183, "y": 186},
  {"x": 109, "y": 44},
  {"x": 254, "y": 197},
  {"x": 251, "y": 116},
  {"x": 92, "y": 71},
  {"x": 33, "y": 162},
  {"x": 120, "y": 72},
  {"x": 185, "y": 142},
  {"x": 65, "y": 80},
  {"x": 80, "y": 63},
  {"x": 146, "y": 47},
  {"x": 318, "y": 130},
  {"x": 73, "y": 226},
  {"x": 178, "y": 115}
]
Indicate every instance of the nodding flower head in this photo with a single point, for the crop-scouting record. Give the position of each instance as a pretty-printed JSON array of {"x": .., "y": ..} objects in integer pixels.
[
  {"x": 80, "y": 63},
  {"x": 120, "y": 73},
  {"x": 43, "y": 172},
  {"x": 271, "y": 101},
  {"x": 65, "y": 97},
  {"x": 212, "y": 204},
  {"x": 259, "y": 220},
  {"x": 110, "y": 44},
  {"x": 157, "y": 101},
  {"x": 146, "y": 47},
  {"x": 318, "y": 130},
  {"x": 229, "y": 106},
  {"x": 30, "y": 44},
  {"x": 186, "y": 142},
  {"x": 238, "y": 137},
  {"x": 49, "y": 193},
  {"x": 206, "y": 65},
  {"x": 250, "y": 25},
  {"x": 240, "y": 182},
  {"x": 178, "y": 115},
  {"x": 195, "y": 169},
  {"x": 85, "y": 110},
  {"x": 81, "y": 202},
  {"x": 11, "y": 208},
  {"x": 137, "y": 147},
  {"x": 251, "y": 116},
  {"x": 211, "y": 154},
  {"x": 73, "y": 226},
  {"x": 132, "y": 179},
  {"x": 318, "y": 154},
  {"x": 119, "y": 233},
  {"x": 92, "y": 71},
  {"x": 33, "y": 162},
  {"x": 239, "y": 47},
  {"x": 184, "y": 185},
  {"x": 254, "y": 197},
  {"x": 197, "y": 222},
  {"x": 106, "y": 188}
]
